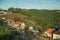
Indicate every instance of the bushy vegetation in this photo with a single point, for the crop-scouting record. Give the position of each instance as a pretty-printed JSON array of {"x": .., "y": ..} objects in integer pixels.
[
  {"x": 8, "y": 34},
  {"x": 15, "y": 10},
  {"x": 44, "y": 18},
  {"x": 17, "y": 19}
]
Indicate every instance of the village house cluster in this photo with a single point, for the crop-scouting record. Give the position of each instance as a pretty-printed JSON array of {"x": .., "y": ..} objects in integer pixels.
[
  {"x": 53, "y": 33},
  {"x": 20, "y": 26},
  {"x": 3, "y": 12}
]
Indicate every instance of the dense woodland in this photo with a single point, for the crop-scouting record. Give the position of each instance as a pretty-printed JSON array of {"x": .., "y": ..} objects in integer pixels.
[{"x": 44, "y": 18}]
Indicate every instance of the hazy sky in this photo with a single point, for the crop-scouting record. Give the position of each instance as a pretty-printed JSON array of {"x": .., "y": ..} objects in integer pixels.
[{"x": 34, "y": 4}]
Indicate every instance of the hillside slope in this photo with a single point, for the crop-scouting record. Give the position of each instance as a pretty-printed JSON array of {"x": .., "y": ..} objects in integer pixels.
[
  {"x": 13, "y": 15},
  {"x": 45, "y": 18},
  {"x": 40, "y": 18}
]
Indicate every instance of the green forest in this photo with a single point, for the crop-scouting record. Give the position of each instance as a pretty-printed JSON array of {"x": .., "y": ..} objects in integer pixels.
[{"x": 44, "y": 17}]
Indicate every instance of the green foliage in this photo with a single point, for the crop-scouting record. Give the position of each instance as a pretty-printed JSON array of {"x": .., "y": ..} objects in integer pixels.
[
  {"x": 1, "y": 21},
  {"x": 17, "y": 19},
  {"x": 45, "y": 18},
  {"x": 15, "y": 10},
  {"x": 4, "y": 30},
  {"x": 8, "y": 34}
]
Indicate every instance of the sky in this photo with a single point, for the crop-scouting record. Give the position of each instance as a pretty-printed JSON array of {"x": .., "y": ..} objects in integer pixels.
[{"x": 30, "y": 4}]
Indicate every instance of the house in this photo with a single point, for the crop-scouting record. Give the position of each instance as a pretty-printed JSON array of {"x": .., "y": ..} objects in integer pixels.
[
  {"x": 19, "y": 23},
  {"x": 3, "y": 18},
  {"x": 20, "y": 26},
  {"x": 9, "y": 21},
  {"x": 32, "y": 32},
  {"x": 56, "y": 35},
  {"x": 3, "y": 12},
  {"x": 48, "y": 33},
  {"x": 30, "y": 28},
  {"x": 16, "y": 25}
]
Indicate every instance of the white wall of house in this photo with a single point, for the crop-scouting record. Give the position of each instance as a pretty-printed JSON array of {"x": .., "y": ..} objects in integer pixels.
[
  {"x": 47, "y": 34},
  {"x": 3, "y": 18},
  {"x": 19, "y": 24},
  {"x": 56, "y": 36},
  {"x": 30, "y": 28},
  {"x": 23, "y": 24},
  {"x": 3, "y": 12},
  {"x": 16, "y": 25}
]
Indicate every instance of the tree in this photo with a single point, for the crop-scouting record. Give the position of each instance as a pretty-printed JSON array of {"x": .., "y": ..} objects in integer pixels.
[
  {"x": 1, "y": 21},
  {"x": 17, "y": 19},
  {"x": 11, "y": 9},
  {"x": 15, "y": 10}
]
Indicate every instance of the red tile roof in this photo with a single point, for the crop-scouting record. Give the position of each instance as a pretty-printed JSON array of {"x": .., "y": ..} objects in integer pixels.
[
  {"x": 49, "y": 30},
  {"x": 18, "y": 22}
]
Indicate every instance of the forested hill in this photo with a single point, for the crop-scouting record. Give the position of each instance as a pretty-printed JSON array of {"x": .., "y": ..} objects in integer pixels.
[{"x": 45, "y": 18}]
